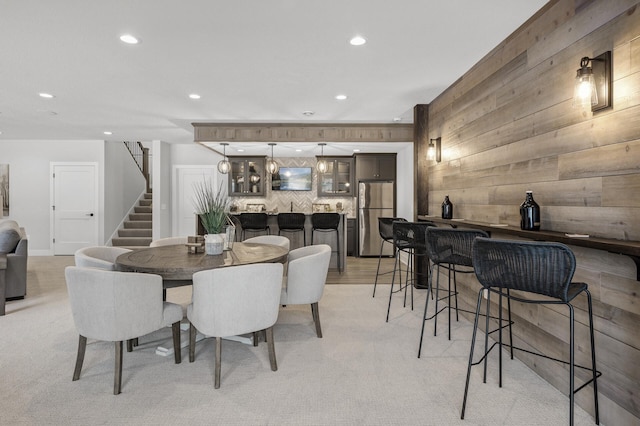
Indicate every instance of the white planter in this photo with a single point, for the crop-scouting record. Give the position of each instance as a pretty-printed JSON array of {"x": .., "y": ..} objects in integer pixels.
[{"x": 214, "y": 243}]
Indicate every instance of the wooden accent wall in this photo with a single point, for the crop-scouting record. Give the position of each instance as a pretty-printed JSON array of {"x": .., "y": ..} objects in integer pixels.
[
  {"x": 508, "y": 126},
  {"x": 420, "y": 145}
]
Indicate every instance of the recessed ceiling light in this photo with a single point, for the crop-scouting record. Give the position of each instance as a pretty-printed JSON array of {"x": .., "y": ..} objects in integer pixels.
[
  {"x": 46, "y": 95},
  {"x": 194, "y": 96},
  {"x": 308, "y": 113},
  {"x": 297, "y": 150},
  {"x": 397, "y": 119},
  {"x": 341, "y": 97},
  {"x": 129, "y": 39},
  {"x": 108, "y": 133},
  {"x": 356, "y": 150},
  {"x": 357, "y": 41},
  {"x": 240, "y": 150}
]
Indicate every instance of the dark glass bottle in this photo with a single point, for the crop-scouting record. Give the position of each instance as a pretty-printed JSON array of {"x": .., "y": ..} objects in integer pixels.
[
  {"x": 529, "y": 213},
  {"x": 447, "y": 208}
]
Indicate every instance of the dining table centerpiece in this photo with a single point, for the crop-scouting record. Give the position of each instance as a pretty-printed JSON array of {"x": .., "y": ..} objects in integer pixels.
[{"x": 212, "y": 207}]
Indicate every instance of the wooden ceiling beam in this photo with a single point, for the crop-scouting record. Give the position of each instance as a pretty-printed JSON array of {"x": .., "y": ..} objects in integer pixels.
[{"x": 283, "y": 132}]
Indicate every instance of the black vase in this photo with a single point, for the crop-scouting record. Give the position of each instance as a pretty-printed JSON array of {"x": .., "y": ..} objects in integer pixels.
[
  {"x": 529, "y": 213},
  {"x": 447, "y": 208}
]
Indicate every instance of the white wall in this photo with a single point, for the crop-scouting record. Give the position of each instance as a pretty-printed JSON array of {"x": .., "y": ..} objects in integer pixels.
[
  {"x": 404, "y": 183},
  {"x": 29, "y": 180},
  {"x": 161, "y": 187},
  {"x": 124, "y": 184}
]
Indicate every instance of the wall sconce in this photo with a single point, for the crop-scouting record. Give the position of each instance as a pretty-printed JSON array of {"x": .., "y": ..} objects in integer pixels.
[
  {"x": 223, "y": 165},
  {"x": 271, "y": 165},
  {"x": 322, "y": 165},
  {"x": 593, "y": 83},
  {"x": 434, "y": 151}
]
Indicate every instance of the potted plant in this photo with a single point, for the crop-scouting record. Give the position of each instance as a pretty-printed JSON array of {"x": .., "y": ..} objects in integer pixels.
[{"x": 212, "y": 207}]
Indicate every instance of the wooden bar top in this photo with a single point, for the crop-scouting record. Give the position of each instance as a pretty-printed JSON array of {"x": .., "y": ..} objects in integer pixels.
[{"x": 628, "y": 248}]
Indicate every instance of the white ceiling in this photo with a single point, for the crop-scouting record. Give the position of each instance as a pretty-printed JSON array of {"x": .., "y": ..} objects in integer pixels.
[{"x": 250, "y": 60}]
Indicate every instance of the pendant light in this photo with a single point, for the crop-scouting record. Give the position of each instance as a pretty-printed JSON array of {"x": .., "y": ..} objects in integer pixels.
[
  {"x": 224, "y": 166},
  {"x": 322, "y": 165},
  {"x": 271, "y": 165}
]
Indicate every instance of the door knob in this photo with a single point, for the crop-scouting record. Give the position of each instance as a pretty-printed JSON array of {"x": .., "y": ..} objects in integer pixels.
[{"x": 89, "y": 214}]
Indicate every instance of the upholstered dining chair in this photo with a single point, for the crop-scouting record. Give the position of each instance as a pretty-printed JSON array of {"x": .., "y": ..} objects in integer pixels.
[
  {"x": 115, "y": 306},
  {"x": 169, "y": 241},
  {"x": 102, "y": 257},
  {"x": 308, "y": 267},
  {"x": 232, "y": 301},
  {"x": 275, "y": 240}
]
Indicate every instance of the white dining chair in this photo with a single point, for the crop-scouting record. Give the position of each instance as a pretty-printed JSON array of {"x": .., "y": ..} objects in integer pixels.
[
  {"x": 233, "y": 301},
  {"x": 115, "y": 306},
  {"x": 102, "y": 257},
  {"x": 307, "y": 274},
  {"x": 275, "y": 240},
  {"x": 169, "y": 241}
]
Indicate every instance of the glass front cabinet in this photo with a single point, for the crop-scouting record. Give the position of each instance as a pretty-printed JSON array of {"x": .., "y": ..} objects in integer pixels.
[
  {"x": 337, "y": 181},
  {"x": 247, "y": 177}
]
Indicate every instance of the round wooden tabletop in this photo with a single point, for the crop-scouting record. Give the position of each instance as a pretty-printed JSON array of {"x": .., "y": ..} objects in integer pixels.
[{"x": 176, "y": 265}]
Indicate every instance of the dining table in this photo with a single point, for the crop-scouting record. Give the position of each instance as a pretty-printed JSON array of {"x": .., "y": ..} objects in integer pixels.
[{"x": 176, "y": 264}]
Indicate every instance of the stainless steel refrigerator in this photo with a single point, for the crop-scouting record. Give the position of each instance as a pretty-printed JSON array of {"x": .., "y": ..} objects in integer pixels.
[{"x": 375, "y": 199}]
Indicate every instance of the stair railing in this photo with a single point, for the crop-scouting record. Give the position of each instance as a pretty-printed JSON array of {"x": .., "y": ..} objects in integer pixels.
[{"x": 140, "y": 155}]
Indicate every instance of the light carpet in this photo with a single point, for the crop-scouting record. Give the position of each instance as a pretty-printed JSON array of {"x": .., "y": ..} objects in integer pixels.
[{"x": 364, "y": 371}]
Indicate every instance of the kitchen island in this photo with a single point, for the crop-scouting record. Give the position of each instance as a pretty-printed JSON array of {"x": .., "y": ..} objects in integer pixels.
[{"x": 297, "y": 239}]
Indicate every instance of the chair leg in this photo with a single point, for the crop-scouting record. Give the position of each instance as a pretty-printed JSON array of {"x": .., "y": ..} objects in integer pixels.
[
  {"x": 82, "y": 345},
  {"x": 375, "y": 283},
  {"x": 469, "y": 365},
  {"x": 192, "y": 343},
  {"x": 177, "y": 350},
  {"x": 216, "y": 384},
  {"x": 424, "y": 316},
  {"x": 272, "y": 349},
  {"x": 117, "y": 377},
  {"x": 255, "y": 338},
  {"x": 393, "y": 279},
  {"x": 486, "y": 331},
  {"x": 593, "y": 360},
  {"x": 571, "y": 363},
  {"x": 130, "y": 345},
  {"x": 316, "y": 318}
]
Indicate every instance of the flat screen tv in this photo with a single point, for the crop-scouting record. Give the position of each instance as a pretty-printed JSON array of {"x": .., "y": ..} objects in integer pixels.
[{"x": 292, "y": 179}]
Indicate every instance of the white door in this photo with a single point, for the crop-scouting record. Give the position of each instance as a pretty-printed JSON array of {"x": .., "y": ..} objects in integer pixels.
[
  {"x": 74, "y": 207},
  {"x": 184, "y": 218}
]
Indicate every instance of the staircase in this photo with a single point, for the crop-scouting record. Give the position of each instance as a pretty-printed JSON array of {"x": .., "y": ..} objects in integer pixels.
[{"x": 136, "y": 233}]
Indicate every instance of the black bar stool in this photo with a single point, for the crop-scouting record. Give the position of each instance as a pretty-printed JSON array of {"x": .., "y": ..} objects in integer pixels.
[
  {"x": 254, "y": 222},
  {"x": 409, "y": 238},
  {"x": 451, "y": 249},
  {"x": 292, "y": 222},
  {"x": 538, "y": 268},
  {"x": 327, "y": 222},
  {"x": 385, "y": 228}
]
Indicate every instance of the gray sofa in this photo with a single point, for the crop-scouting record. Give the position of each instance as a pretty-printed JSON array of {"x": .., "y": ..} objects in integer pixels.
[{"x": 13, "y": 262}]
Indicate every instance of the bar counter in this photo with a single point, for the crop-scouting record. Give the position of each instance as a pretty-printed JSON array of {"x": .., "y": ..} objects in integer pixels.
[
  {"x": 297, "y": 239},
  {"x": 610, "y": 269},
  {"x": 628, "y": 248}
]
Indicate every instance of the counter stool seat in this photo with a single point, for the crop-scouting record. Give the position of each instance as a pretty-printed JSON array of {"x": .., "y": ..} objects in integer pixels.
[
  {"x": 451, "y": 249},
  {"x": 532, "y": 269},
  {"x": 385, "y": 229},
  {"x": 409, "y": 238},
  {"x": 254, "y": 222},
  {"x": 327, "y": 222},
  {"x": 292, "y": 222}
]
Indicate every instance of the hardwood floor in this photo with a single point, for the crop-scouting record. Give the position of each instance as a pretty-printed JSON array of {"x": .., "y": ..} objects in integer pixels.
[{"x": 362, "y": 270}]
